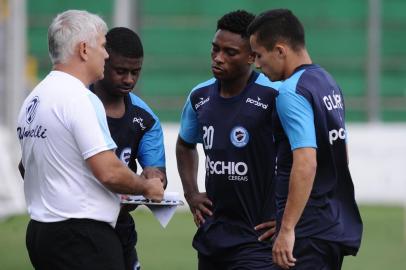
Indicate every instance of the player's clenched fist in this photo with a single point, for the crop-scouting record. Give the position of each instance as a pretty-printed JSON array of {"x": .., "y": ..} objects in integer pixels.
[{"x": 153, "y": 189}]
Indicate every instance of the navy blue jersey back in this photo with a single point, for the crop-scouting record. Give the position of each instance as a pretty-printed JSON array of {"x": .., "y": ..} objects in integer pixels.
[
  {"x": 138, "y": 135},
  {"x": 240, "y": 155},
  {"x": 311, "y": 111}
]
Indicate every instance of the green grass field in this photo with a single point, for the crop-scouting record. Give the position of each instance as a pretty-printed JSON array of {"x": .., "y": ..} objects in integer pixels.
[{"x": 383, "y": 245}]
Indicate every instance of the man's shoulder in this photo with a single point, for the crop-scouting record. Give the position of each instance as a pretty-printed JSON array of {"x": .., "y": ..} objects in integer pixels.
[
  {"x": 140, "y": 105},
  {"x": 204, "y": 84},
  {"x": 263, "y": 81}
]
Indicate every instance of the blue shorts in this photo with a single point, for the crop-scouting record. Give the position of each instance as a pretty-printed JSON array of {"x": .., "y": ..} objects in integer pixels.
[
  {"x": 125, "y": 229},
  {"x": 251, "y": 256},
  {"x": 315, "y": 254}
]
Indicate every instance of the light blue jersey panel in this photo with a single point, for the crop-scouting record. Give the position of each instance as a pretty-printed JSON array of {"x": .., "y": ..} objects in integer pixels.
[
  {"x": 264, "y": 81},
  {"x": 296, "y": 114},
  {"x": 189, "y": 126},
  {"x": 151, "y": 150},
  {"x": 102, "y": 120}
]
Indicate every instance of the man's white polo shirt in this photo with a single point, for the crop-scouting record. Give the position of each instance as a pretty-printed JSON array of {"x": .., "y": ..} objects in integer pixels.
[{"x": 60, "y": 125}]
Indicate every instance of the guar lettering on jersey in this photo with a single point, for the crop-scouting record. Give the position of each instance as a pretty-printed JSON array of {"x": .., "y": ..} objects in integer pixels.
[
  {"x": 236, "y": 171},
  {"x": 335, "y": 134},
  {"x": 333, "y": 102}
]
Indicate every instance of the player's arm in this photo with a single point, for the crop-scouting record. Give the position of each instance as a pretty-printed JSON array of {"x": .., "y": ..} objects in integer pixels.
[
  {"x": 151, "y": 152},
  {"x": 21, "y": 168},
  {"x": 188, "y": 161},
  {"x": 296, "y": 115},
  {"x": 300, "y": 186},
  {"x": 115, "y": 176}
]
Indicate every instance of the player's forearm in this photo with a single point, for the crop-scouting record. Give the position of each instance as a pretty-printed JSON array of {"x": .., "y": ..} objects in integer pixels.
[
  {"x": 124, "y": 181},
  {"x": 188, "y": 162},
  {"x": 300, "y": 186},
  {"x": 114, "y": 175}
]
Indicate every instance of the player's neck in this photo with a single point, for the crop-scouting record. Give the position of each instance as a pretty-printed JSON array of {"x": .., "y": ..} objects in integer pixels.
[
  {"x": 296, "y": 60},
  {"x": 232, "y": 88},
  {"x": 113, "y": 104}
]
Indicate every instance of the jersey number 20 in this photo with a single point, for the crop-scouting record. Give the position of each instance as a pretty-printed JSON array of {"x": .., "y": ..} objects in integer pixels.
[{"x": 208, "y": 133}]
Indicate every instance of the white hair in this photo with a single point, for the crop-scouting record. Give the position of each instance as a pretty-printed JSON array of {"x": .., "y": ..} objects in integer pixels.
[{"x": 70, "y": 28}]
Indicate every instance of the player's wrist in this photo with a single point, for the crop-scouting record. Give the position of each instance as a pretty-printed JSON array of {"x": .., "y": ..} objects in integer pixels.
[{"x": 189, "y": 194}]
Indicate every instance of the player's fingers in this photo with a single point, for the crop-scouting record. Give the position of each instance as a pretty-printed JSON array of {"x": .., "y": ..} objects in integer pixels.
[
  {"x": 205, "y": 210},
  {"x": 268, "y": 234},
  {"x": 290, "y": 258},
  {"x": 199, "y": 217},
  {"x": 276, "y": 256},
  {"x": 286, "y": 257},
  {"x": 265, "y": 225}
]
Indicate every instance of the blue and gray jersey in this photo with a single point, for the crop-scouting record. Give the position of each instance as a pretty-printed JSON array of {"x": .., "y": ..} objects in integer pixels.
[{"x": 310, "y": 113}]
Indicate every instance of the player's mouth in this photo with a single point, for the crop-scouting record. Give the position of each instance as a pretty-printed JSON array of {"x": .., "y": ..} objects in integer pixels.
[
  {"x": 217, "y": 70},
  {"x": 124, "y": 89}
]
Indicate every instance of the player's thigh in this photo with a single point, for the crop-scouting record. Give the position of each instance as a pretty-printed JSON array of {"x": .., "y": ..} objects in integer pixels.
[{"x": 315, "y": 254}]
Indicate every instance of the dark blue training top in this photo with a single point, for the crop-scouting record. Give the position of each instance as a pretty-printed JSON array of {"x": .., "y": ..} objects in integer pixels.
[
  {"x": 236, "y": 134},
  {"x": 311, "y": 111},
  {"x": 139, "y": 132}
]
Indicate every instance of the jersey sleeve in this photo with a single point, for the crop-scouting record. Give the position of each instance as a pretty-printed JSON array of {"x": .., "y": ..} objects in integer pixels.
[
  {"x": 189, "y": 127},
  {"x": 297, "y": 119},
  {"x": 151, "y": 150},
  {"x": 87, "y": 121}
]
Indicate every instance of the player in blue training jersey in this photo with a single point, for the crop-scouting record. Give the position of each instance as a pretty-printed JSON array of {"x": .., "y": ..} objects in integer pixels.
[
  {"x": 133, "y": 126},
  {"x": 230, "y": 115},
  {"x": 318, "y": 221}
]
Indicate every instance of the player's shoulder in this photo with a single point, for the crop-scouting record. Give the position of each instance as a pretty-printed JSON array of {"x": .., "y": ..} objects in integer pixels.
[
  {"x": 140, "y": 104},
  {"x": 263, "y": 81},
  {"x": 204, "y": 84}
]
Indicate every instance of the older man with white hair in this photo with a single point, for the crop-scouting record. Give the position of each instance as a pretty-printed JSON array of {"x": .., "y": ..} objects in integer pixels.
[{"x": 71, "y": 174}]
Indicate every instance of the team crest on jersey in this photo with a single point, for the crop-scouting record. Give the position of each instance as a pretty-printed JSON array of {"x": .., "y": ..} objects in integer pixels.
[
  {"x": 125, "y": 155},
  {"x": 31, "y": 110},
  {"x": 239, "y": 136}
]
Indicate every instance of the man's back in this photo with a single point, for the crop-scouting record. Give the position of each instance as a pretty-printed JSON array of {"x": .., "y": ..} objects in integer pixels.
[
  {"x": 60, "y": 125},
  {"x": 331, "y": 212}
]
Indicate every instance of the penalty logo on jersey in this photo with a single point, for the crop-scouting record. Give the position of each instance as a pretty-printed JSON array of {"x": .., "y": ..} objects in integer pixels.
[
  {"x": 239, "y": 136},
  {"x": 31, "y": 110}
]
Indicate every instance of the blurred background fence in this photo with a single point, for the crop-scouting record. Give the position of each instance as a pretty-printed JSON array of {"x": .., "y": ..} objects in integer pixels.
[{"x": 350, "y": 38}]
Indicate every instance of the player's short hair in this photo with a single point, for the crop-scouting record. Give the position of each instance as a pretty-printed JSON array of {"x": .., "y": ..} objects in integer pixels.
[
  {"x": 275, "y": 25},
  {"x": 70, "y": 28},
  {"x": 125, "y": 42},
  {"x": 236, "y": 22}
]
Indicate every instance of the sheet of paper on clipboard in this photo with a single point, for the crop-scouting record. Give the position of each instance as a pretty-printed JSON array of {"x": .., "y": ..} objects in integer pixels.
[{"x": 163, "y": 210}]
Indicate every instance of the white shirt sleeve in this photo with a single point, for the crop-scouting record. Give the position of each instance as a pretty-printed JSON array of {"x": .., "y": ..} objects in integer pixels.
[{"x": 87, "y": 121}]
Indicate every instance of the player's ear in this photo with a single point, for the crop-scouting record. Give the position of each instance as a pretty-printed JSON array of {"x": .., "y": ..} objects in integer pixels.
[
  {"x": 280, "y": 50},
  {"x": 251, "y": 58},
  {"x": 83, "y": 50}
]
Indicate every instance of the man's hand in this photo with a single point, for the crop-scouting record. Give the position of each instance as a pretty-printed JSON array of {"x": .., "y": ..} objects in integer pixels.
[
  {"x": 199, "y": 206},
  {"x": 150, "y": 172},
  {"x": 153, "y": 189},
  {"x": 282, "y": 251},
  {"x": 270, "y": 229}
]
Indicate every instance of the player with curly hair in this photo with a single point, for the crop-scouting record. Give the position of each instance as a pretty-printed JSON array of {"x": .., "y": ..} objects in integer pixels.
[{"x": 231, "y": 115}]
